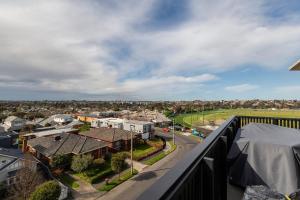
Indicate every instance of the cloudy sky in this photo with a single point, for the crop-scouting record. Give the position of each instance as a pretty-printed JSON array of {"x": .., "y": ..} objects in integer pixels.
[{"x": 149, "y": 49}]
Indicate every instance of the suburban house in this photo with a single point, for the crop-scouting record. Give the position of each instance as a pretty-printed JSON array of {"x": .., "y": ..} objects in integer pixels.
[
  {"x": 62, "y": 119},
  {"x": 108, "y": 123},
  {"x": 87, "y": 117},
  {"x": 12, "y": 160},
  {"x": 117, "y": 139},
  {"x": 142, "y": 127},
  {"x": 44, "y": 148},
  {"x": 13, "y": 123},
  {"x": 9, "y": 139}
]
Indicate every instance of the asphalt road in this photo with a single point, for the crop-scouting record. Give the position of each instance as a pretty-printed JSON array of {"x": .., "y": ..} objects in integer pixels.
[{"x": 132, "y": 188}]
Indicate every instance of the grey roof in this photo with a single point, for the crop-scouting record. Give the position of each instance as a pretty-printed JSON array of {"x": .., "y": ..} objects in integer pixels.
[
  {"x": 68, "y": 143},
  {"x": 12, "y": 118},
  {"x": 16, "y": 153},
  {"x": 109, "y": 134}
]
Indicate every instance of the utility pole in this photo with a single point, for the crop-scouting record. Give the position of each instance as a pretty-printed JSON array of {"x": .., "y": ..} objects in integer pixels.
[
  {"x": 174, "y": 130},
  {"x": 131, "y": 149},
  {"x": 203, "y": 114}
]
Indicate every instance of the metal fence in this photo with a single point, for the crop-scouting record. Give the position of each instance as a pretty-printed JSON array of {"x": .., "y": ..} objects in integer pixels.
[{"x": 203, "y": 172}]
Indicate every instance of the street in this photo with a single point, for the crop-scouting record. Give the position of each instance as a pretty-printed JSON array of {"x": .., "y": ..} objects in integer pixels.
[{"x": 132, "y": 188}]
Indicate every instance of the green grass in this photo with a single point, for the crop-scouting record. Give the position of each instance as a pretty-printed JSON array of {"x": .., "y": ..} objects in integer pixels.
[
  {"x": 160, "y": 155},
  {"x": 222, "y": 114},
  {"x": 85, "y": 127},
  {"x": 95, "y": 174},
  {"x": 69, "y": 181},
  {"x": 115, "y": 182},
  {"x": 144, "y": 149}
]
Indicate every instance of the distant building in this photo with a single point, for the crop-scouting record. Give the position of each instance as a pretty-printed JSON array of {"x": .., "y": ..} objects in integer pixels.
[
  {"x": 12, "y": 160},
  {"x": 13, "y": 123},
  {"x": 108, "y": 123},
  {"x": 44, "y": 148},
  {"x": 46, "y": 133},
  {"x": 117, "y": 139},
  {"x": 142, "y": 127},
  {"x": 87, "y": 117},
  {"x": 62, "y": 118}
]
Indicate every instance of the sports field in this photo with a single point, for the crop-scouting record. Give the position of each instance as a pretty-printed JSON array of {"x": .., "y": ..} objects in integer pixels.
[{"x": 219, "y": 116}]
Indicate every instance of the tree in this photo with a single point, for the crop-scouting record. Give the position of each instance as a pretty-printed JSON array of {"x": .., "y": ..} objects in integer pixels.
[
  {"x": 27, "y": 180},
  {"x": 61, "y": 161},
  {"x": 81, "y": 162},
  {"x": 49, "y": 190},
  {"x": 118, "y": 162}
]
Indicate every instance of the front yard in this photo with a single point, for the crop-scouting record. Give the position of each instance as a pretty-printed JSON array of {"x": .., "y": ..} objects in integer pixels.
[
  {"x": 68, "y": 180},
  {"x": 116, "y": 181},
  {"x": 143, "y": 150},
  {"x": 95, "y": 174}
]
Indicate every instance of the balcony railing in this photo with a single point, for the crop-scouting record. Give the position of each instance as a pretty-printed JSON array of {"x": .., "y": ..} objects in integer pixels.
[{"x": 203, "y": 172}]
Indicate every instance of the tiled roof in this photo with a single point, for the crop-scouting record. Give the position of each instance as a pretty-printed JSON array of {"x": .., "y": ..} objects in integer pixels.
[
  {"x": 108, "y": 134},
  {"x": 68, "y": 143}
]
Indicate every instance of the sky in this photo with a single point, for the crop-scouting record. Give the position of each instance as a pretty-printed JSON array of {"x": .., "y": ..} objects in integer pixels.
[{"x": 149, "y": 49}]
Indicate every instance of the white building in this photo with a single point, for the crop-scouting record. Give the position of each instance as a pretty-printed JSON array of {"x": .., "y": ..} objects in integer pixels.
[
  {"x": 12, "y": 160},
  {"x": 61, "y": 118},
  {"x": 143, "y": 127},
  {"x": 13, "y": 123},
  {"x": 108, "y": 123}
]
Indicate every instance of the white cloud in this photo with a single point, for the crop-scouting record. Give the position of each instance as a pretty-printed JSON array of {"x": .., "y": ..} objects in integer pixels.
[
  {"x": 241, "y": 88},
  {"x": 74, "y": 46}
]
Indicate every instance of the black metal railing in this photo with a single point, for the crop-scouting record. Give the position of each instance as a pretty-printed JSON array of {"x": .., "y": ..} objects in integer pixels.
[{"x": 202, "y": 174}]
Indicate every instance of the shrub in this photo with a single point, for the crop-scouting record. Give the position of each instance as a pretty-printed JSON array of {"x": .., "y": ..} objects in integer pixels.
[
  {"x": 118, "y": 162},
  {"x": 61, "y": 161},
  {"x": 81, "y": 163},
  {"x": 49, "y": 190},
  {"x": 98, "y": 161}
]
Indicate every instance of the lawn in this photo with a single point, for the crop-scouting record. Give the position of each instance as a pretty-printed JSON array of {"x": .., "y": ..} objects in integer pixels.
[
  {"x": 142, "y": 150},
  {"x": 95, "y": 174},
  {"x": 68, "y": 180},
  {"x": 218, "y": 116},
  {"x": 160, "y": 155},
  {"x": 85, "y": 127},
  {"x": 115, "y": 182}
]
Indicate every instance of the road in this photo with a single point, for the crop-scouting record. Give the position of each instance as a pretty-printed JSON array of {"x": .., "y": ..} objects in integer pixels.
[{"x": 132, "y": 188}]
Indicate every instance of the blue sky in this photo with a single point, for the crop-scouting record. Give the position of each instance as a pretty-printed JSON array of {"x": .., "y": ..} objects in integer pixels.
[{"x": 149, "y": 49}]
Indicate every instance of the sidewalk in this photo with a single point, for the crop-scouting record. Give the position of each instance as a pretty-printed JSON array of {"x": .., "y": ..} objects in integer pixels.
[{"x": 136, "y": 165}]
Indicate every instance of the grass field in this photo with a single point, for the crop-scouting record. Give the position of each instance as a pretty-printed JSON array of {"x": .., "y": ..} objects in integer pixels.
[{"x": 218, "y": 116}]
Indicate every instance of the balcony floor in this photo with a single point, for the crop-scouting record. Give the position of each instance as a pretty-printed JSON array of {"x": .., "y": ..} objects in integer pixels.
[{"x": 234, "y": 192}]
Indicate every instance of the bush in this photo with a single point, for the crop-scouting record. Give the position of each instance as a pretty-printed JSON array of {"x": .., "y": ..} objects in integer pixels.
[
  {"x": 81, "y": 163},
  {"x": 49, "y": 190},
  {"x": 118, "y": 162},
  {"x": 61, "y": 161},
  {"x": 98, "y": 161}
]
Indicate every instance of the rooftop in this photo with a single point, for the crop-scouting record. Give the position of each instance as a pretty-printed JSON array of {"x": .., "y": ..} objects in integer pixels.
[
  {"x": 108, "y": 134},
  {"x": 296, "y": 66},
  {"x": 65, "y": 143}
]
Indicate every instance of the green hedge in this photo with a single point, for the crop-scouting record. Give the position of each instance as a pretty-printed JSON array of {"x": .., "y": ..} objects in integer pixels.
[{"x": 99, "y": 177}]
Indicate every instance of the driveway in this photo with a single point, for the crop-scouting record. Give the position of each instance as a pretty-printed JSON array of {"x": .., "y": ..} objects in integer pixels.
[{"x": 132, "y": 188}]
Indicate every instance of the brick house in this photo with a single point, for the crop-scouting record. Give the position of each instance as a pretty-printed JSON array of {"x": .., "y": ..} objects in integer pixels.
[
  {"x": 117, "y": 139},
  {"x": 44, "y": 148}
]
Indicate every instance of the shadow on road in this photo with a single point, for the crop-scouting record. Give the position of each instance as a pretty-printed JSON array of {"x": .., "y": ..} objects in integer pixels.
[
  {"x": 145, "y": 176},
  {"x": 148, "y": 175}
]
